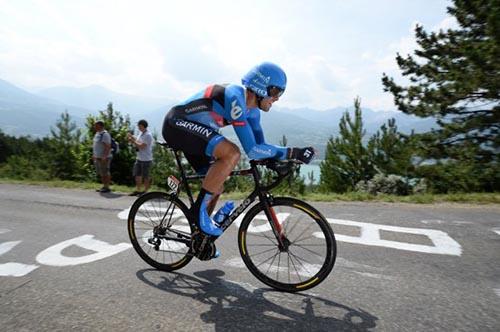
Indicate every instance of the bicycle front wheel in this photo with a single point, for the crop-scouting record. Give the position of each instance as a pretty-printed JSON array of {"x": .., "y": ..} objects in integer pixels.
[
  {"x": 160, "y": 231},
  {"x": 308, "y": 255}
]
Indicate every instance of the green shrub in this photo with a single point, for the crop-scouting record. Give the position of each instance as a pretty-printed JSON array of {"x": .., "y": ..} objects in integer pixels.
[
  {"x": 21, "y": 168},
  {"x": 384, "y": 184}
]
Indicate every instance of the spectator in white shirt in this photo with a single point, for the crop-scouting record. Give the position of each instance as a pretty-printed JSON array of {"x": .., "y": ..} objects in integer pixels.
[{"x": 144, "y": 146}]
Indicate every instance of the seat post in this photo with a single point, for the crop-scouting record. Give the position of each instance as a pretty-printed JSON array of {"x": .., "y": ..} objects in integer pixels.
[{"x": 183, "y": 176}]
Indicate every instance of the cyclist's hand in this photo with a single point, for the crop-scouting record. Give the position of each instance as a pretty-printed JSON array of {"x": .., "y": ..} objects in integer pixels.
[{"x": 304, "y": 155}]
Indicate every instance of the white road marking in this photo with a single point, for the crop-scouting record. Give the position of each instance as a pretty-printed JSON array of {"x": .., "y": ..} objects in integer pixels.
[
  {"x": 496, "y": 230},
  {"x": 352, "y": 265},
  {"x": 7, "y": 246},
  {"x": 15, "y": 269},
  {"x": 53, "y": 255},
  {"x": 12, "y": 269},
  {"x": 432, "y": 221},
  {"x": 461, "y": 222},
  {"x": 370, "y": 235},
  {"x": 123, "y": 215},
  {"x": 453, "y": 222},
  {"x": 375, "y": 275}
]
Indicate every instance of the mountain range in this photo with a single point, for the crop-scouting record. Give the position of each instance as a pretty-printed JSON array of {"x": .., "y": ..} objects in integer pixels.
[{"x": 33, "y": 113}]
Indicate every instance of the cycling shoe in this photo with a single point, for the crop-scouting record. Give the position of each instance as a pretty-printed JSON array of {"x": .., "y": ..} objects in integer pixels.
[{"x": 207, "y": 225}]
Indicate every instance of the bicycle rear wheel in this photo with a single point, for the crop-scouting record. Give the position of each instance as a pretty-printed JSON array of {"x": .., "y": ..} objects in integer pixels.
[
  {"x": 308, "y": 256},
  {"x": 160, "y": 231}
]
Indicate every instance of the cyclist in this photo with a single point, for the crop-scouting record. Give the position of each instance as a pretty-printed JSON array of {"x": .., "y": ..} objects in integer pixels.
[{"x": 193, "y": 126}]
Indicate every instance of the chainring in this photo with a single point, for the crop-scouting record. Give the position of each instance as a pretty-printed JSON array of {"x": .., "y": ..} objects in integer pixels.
[{"x": 202, "y": 246}]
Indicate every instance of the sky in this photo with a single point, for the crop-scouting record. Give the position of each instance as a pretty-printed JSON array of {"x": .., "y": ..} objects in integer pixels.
[{"x": 331, "y": 50}]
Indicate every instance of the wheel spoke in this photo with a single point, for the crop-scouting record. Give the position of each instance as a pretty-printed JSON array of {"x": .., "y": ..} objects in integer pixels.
[
  {"x": 311, "y": 251},
  {"x": 305, "y": 254},
  {"x": 271, "y": 264},
  {"x": 262, "y": 252},
  {"x": 304, "y": 231},
  {"x": 299, "y": 260},
  {"x": 264, "y": 236},
  {"x": 277, "y": 252},
  {"x": 294, "y": 267},
  {"x": 158, "y": 210},
  {"x": 295, "y": 224},
  {"x": 303, "y": 239}
]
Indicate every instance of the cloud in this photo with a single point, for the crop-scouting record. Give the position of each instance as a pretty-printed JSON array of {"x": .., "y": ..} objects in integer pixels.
[
  {"x": 171, "y": 50},
  {"x": 449, "y": 22}
]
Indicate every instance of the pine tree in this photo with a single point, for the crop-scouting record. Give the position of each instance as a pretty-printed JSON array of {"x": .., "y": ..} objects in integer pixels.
[
  {"x": 65, "y": 147},
  {"x": 391, "y": 151},
  {"x": 346, "y": 159},
  {"x": 455, "y": 77}
]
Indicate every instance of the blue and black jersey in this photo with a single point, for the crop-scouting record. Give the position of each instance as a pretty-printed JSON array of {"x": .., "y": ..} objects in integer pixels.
[{"x": 221, "y": 105}]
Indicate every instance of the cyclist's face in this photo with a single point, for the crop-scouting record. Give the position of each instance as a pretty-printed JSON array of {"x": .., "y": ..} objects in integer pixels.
[{"x": 267, "y": 103}]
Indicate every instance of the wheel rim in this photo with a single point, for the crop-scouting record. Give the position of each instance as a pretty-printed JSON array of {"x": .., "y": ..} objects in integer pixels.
[
  {"x": 306, "y": 256},
  {"x": 158, "y": 217}
]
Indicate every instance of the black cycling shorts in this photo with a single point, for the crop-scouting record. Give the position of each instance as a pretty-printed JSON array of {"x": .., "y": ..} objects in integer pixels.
[{"x": 192, "y": 139}]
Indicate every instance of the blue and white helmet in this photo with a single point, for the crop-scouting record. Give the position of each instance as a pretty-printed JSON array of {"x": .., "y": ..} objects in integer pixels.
[{"x": 266, "y": 80}]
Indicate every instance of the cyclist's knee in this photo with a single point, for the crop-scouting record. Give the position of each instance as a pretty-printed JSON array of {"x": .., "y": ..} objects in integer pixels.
[
  {"x": 235, "y": 155},
  {"x": 229, "y": 152}
]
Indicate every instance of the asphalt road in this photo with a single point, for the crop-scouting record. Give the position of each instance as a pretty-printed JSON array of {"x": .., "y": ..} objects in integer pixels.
[{"x": 66, "y": 263}]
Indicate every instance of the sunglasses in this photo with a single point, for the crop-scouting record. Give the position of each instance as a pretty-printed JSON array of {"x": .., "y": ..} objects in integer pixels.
[{"x": 274, "y": 91}]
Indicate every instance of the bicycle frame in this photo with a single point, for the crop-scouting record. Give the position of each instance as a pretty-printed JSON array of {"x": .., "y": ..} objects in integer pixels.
[{"x": 260, "y": 191}]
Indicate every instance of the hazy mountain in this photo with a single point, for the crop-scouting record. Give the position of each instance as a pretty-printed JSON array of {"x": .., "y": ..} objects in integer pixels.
[
  {"x": 372, "y": 120},
  {"x": 96, "y": 98},
  {"x": 23, "y": 113}
]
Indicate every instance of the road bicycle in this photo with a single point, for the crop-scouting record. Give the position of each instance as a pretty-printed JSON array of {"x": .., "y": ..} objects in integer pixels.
[{"x": 285, "y": 243}]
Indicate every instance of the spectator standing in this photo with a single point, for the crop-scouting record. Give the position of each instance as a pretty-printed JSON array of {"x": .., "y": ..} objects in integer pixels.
[
  {"x": 144, "y": 159},
  {"x": 101, "y": 155}
]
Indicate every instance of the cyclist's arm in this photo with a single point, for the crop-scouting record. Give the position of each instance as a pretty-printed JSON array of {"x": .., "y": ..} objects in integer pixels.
[
  {"x": 254, "y": 121},
  {"x": 254, "y": 150},
  {"x": 252, "y": 143}
]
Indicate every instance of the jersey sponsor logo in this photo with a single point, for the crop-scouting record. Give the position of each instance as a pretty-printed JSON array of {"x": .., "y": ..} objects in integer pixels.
[
  {"x": 194, "y": 127},
  {"x": 236, "y": 110},
  {"x": 195, "y": 109},
  {"x": 262, "y": 151},
  {"x": 238, "y": 123}
]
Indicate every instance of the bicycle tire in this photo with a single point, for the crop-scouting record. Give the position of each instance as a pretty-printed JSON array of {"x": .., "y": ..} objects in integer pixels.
[
  {"x": 290, "y": 212},
  {"x": 145, "y": 215}
]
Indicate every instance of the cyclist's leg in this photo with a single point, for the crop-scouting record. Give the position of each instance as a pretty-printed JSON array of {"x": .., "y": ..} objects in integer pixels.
[
  {"x": 200, "y": 144},
  {"x": 227, "y": 156}
]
